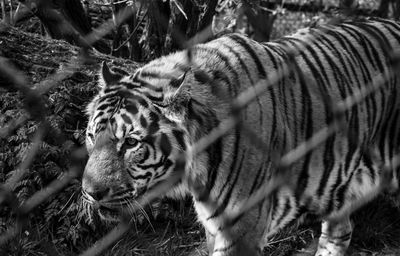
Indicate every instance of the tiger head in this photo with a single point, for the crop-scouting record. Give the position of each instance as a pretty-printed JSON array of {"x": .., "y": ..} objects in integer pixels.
[{"x": 132, "y": 144}]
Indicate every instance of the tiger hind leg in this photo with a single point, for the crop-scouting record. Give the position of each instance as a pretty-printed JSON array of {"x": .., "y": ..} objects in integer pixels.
[{"x": 335, "y": 237}]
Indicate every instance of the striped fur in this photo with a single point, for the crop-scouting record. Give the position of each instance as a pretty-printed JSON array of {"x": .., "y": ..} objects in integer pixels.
[{"x": 139, "y": 123}]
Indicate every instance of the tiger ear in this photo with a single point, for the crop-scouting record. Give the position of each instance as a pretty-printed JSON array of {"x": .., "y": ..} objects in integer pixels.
[
  {"x": 179, "y": 84},
  {"x": 181, "y": 94},
  {"x": 108, "y": 77}
]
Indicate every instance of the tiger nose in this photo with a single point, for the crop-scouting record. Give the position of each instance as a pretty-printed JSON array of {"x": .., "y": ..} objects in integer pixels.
[{"x": 98, "y": 193}]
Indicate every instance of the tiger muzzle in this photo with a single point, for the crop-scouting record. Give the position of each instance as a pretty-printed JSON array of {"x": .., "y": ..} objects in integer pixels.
[{"x": 103, "y": 173}]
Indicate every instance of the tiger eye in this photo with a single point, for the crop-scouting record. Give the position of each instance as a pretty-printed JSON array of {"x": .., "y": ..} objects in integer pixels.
[{"x": 131, "y": 142}]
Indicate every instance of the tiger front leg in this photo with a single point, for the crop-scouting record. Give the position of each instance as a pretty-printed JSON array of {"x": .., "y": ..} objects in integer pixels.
[
  {"x": 335, "y": 237},
  {"x": 241, "y": 238},
  {"x": 210, "y": 242},
  {"x": 237, "y": 247}
]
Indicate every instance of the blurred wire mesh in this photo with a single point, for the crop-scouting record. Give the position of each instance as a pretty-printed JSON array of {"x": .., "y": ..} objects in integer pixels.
[{"x": 110, "y": 18}]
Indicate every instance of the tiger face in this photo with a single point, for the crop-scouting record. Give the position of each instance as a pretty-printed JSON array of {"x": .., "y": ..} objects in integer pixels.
[{"x": 132, "y": 146}]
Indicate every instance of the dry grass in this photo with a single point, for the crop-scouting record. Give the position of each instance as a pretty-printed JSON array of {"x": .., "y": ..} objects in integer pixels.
[{"x": 174, "y": 232}]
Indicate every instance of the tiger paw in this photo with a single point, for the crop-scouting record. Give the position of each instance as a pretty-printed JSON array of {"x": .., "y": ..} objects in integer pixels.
[
  {"x": 327, "y": 247},
  {"x": 330, "y": 250}
]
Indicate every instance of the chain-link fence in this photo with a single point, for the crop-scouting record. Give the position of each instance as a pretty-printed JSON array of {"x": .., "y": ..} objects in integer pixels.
[{"x": 37, "y": 110}]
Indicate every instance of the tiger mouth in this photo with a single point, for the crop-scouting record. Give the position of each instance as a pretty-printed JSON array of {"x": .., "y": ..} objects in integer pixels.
[
  {"x": 108, "y": 214},
  {"x": 113, "y": 211}
]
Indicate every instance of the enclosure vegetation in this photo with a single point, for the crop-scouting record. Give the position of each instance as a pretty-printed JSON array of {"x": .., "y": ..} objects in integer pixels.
[{"x": 50, "y": 54}]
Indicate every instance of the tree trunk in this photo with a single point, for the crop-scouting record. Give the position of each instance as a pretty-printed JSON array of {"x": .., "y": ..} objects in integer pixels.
[
  {"x": 396, "y": 10},
  {"x": 135, "y": 49},
  {"x": 197, "y": 16},
  {"x": 64, "y": 19},
  {"x": 262, "y": 21},
  {"x": 3, "y": 10},
  {"x": 156, "y": 28},
  {"x": 383, "y": 10}
]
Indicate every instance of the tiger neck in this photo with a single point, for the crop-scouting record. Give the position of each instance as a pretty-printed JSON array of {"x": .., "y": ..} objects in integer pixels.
[{"x": 201, "y": 119}]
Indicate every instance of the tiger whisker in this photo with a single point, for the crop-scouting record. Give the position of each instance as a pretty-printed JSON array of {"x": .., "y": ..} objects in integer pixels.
[
  {"x": 146, "y": 216},
  {"x": 129, "y": 208},
  {"x": 132, "y": 213}
]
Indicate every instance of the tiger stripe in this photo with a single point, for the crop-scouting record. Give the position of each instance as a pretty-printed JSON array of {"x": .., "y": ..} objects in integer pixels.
[{"x": 144, "y": 121}]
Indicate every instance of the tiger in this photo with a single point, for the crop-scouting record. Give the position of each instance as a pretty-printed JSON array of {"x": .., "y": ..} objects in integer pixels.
[{"x": 141, "y": 122}]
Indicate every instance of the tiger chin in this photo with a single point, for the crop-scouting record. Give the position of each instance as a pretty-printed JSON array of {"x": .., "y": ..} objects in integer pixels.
[{"x": 141, "y": 122}]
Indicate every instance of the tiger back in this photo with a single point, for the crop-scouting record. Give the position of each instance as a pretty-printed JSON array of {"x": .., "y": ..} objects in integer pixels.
[{"x": 140, "y": 123}]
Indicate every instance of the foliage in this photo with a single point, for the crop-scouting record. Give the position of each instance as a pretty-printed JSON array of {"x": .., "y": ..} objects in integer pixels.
[{"x": 60, "y": 219}]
